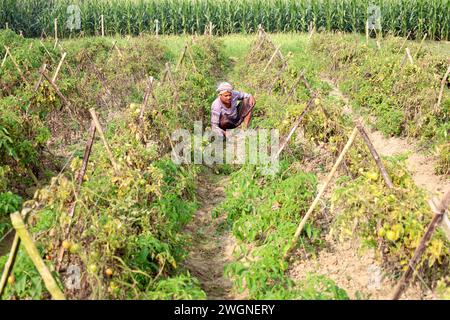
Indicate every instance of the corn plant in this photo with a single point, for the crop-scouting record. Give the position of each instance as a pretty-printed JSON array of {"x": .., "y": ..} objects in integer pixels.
[{"x": 132, "y": 17}]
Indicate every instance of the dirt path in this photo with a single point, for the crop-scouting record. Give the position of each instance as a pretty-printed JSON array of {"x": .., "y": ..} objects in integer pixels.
[
  {"x": 420, "y": 166},
  {"x": 211, "y": 248},
  {"x": 359, "y": 272}
]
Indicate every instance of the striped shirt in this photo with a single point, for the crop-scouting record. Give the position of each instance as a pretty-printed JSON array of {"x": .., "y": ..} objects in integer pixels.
[{"x": 218, "y": 109}]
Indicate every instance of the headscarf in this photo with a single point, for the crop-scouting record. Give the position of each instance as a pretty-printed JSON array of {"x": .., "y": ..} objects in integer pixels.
[{"x": 224, "y": 87}]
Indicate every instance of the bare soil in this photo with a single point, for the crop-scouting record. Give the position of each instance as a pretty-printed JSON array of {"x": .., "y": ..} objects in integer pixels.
[{"x": 212, "y": 245}]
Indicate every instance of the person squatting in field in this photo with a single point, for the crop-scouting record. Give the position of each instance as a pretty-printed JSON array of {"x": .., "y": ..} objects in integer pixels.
[{"x": 227, "y": 112}]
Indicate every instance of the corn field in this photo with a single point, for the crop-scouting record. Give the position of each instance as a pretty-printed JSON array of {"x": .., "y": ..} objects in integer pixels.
[{"x": 400, "y": 17}]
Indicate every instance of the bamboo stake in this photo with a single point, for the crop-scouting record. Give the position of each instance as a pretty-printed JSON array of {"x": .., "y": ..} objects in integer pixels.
[
  {"x": 375, "y": 156},
  {"x": 277, "y": 77},
  {"x": 48, "y": 53},
  {"x": 9, "y": 263},
  {"x": 102, "y": 136},
  {"x": 271, "y": 58},
  {"x": 6, "y": 26},
  {"x": 296, "y": 124},
  {"x": 441, "y": 91},
  {"x": 103, "y": 26},
  {"x": 144, "y": 104},
  {"x": 4, "y": 58},
  {"x": 180, "y": 60},
  {"x": 322, "y": 190},
  {"x": 312, "y": 29},
  {"x": 15, "y": 64},
  {"x": 79, "y": 181},
  {"x": 35, "y": 256},
  {"x": 367, "y": 32},
  {"x": 192, "y": 59},
  {"x": 404, "y": 42},
  {"x": 210, "y": 28},
  {"x": 299, "y": 78},
  {"x": 55, "y": 87},
  {"x": 56, "y": 31},
  {"x": 157, "y": 27},
  {"x": 12, "y": 255},
  {"x": 59, "y": 67},
  {"x": 440, "y": 210},
  {"x": 420, "y": 46},
  {"x": 408, "y": 55}
]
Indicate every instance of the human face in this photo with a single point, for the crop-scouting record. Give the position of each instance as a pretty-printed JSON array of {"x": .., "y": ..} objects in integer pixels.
[{"x": 225, "y": 98}]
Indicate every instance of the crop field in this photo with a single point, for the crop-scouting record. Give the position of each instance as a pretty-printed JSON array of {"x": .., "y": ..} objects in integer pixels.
[{"x": 93, "y": 204}]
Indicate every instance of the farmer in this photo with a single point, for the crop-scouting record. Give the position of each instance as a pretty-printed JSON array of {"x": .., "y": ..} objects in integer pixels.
[{"x": 227, "y": 112}]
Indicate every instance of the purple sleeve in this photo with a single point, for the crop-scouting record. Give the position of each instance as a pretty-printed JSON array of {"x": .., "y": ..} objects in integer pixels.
[{"x": 215, "y": 117}]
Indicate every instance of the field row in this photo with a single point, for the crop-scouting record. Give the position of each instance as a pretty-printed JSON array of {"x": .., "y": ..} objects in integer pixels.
[{"x": 399, "y": 17}]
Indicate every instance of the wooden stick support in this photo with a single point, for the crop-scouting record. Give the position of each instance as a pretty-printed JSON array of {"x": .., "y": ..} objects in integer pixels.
[
  {"x": 272, "y": 57},
  {"x": 192, "y": 59},
  {"x": 15, "y": 64},
  {"x": 322, "y": 190},
  {"x": 441, "y": 91},
  {"x": 79, "y": 181},
  {"x": 438, "y": 216},
  {"x": 404, "y": 42},
  {"x": 35, "y": 256},
  {"x": 408, "y": 56},
  {"x": 59, "y": 67},
  {"x": 180, "y": 60},
  {"x": 367, "y": 32},
  {"x": 296, "y": 124},
  {"x": 420, "y": 46},
  {"x": 299, "y": 78},
  {"x": 12, "y": 254},
  {"x": 4, "y": 58},
  {"x": 156, "y": 27},
  {"x": 46, "y": 50},
  {"x": 375, "y": 156},
  {"x": 312, "y": 28},
  {"x": 144, "y": 104},
  {"x": 55, "y": 87},
  {"x": 102, "y": 136},
  {"x": 9, "y": 263},
  {"x": 56, "y": 30},
  {"x": 103, "y": 25}
]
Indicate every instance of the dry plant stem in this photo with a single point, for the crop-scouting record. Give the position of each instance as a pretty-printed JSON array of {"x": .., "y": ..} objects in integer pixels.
[
  {"x": 180, "y": 60},
  {"x": 375, "y": 156},
  {"x": 41, "y": 71},
  {"x": 144, "y": 104},
  {"x": 79, "y": 181},
  {"x": 438, "y": 216}
]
